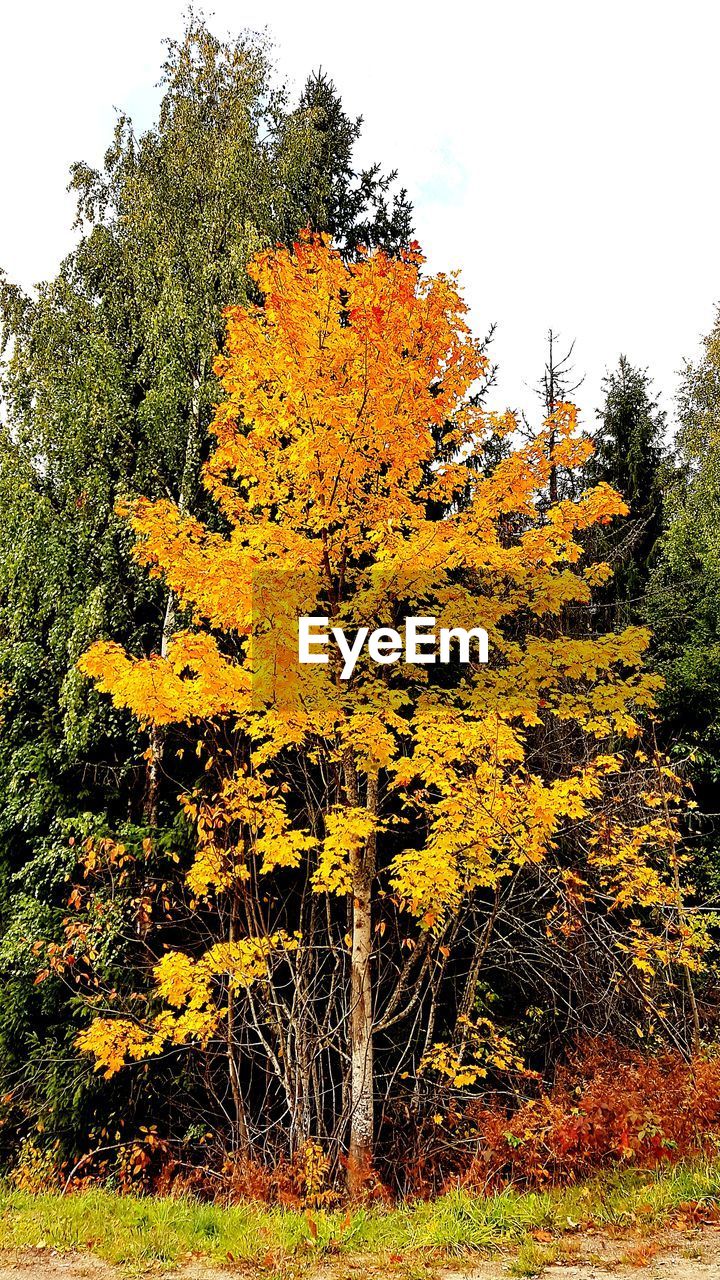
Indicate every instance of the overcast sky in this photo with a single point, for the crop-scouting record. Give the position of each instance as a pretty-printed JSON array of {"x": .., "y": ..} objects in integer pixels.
[{"x": 563, "y": 155}]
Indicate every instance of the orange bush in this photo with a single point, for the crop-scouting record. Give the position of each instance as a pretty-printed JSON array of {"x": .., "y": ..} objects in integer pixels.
[
  {"x": 302, "y": 1182},
  {"x": 609, "y": 1105}
]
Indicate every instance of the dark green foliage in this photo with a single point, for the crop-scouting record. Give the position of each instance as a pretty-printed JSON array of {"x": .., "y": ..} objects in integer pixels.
[
  {"x": 629, "y": 456},
  {"x": 356, "y": 209},
  {"x": 108, "y": 390},
  {"x": 683, "y": 606}
]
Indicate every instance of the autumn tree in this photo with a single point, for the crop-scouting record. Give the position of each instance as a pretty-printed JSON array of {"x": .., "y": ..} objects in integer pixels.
[{"x": 361, "y": 836}]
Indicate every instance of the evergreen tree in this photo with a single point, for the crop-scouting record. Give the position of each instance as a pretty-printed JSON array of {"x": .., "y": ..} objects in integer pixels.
[
  {"x": 355, "y": 208},
  {"x": 629, "y": 456},
  {"x": 684, "y": 596}
]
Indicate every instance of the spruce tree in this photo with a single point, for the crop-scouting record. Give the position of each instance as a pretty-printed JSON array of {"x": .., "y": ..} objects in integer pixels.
[{"x": 629, "y": 456}]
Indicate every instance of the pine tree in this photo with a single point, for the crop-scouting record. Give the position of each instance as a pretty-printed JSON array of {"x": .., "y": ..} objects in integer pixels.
[
  {"x": 629, "y": 456},
  {"x": 683, "y": 606},
  {"x": 354, "y": 208}
]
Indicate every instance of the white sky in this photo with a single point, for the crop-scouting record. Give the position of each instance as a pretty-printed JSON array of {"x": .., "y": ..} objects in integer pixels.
[{"x": 563, "y": 154}]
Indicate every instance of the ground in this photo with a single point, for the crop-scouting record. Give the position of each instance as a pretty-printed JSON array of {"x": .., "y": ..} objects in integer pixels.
[{"x": 670, "y": 1255}]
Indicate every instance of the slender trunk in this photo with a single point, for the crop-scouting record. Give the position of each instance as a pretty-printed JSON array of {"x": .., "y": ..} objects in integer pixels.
[
  {"x": 551, "y": 399},
  {"x": 157, "y": 732},
  {"x": 193, "y": 443},
  {"x": 241, "y": 1138},
  {"x": 362, "y": 1120},
  {"x": 553, "y": 473}
]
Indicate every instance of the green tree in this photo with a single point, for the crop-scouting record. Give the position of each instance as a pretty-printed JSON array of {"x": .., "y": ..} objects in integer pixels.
[
  {"x": 684, "y": 596},
  {"x": 324, "y": 191},
  {"x": 108, "y": 390},
  {"x": 629, "y": 456}
]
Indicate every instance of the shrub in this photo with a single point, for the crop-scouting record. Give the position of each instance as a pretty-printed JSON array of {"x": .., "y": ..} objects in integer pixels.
[{"x": 609, "y": 1106}]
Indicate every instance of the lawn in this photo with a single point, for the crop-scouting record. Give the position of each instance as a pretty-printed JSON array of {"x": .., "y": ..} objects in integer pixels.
[{"x": 138, "y": 1232}]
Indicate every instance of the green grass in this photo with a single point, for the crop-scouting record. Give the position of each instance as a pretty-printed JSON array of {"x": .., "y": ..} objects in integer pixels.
[{"x": 140, "y": 1232}]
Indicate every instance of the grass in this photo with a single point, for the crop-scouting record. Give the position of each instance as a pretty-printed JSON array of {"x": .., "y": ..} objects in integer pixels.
[{"x": 141, "y": 1232}]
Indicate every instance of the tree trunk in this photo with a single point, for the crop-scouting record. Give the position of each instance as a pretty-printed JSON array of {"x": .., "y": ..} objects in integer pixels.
[
  {"x": 157, "y": 735},
  {"x": 241, "y": 1138},
  {"x": 361, "y": 997}
]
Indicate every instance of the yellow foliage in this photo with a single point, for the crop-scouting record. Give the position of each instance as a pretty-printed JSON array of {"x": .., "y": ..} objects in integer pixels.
[
  {"x": 481, "y": 1048},
  {"x": 347, "y": 830},
  {"x": 195, "y": 1007},
  {"x": 327, "y": 472}
]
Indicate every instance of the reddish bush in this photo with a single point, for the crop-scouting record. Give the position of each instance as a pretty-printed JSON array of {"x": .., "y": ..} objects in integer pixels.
[
  {"x": 608, "y": 1106},
  {"x": 302, "y": 1182}
]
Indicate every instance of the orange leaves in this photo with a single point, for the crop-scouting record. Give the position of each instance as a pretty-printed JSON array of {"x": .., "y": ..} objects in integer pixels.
[
  {"x": 341, "y": 376},
  {"x": 244, "y": 803},
  {"x": 210, "y": 573},
  {"x": 608, "y": 1106}
]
